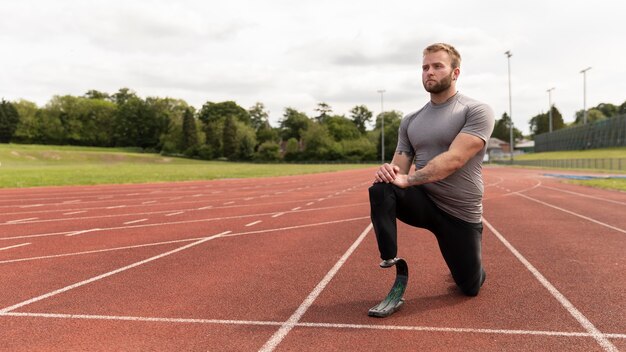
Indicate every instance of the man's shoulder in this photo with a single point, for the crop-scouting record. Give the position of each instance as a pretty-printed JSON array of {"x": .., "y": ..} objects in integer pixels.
[
  {"x": 475, "y": 107},
  {"x": 412, "y": 115},
  {"x": 470, "y": 102}
]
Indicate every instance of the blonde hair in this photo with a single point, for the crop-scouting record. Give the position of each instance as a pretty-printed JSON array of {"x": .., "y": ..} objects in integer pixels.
[{"x": 454, "y": 55}]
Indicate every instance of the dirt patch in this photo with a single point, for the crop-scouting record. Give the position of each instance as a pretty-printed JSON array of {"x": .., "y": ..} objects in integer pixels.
[{"x": 51, "y": 155}]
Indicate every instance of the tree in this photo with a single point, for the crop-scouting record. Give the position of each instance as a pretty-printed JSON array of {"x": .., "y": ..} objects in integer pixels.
[
  {"x": 341, "y": 128},
  {"x": 122, "y": 96},
  {"x": 502, "y": 131},
  {"x": 292, "y": 149},
  {"x": 622, "y": 108},
  {"x": 392, "y": 123},
  {"x": 268, "y": 151},
  {"x": 541, "y": 123},
  {"x": 258, "y": 116},
  {"x": 94, "y": 94},
  {"x": 593, "y": 115},
  {"x": 190, "y": 132},
  {"x": 136, "y": 124},
  {"x": 213, "y": 116},
  {"x": 318, "y": 144},
  {"x": 9, "y": 119},
  {"x": 229, "y": 138},
  {"x": 361, "y": 115},
  {"x": 26, "y": 131},
  {"x": 607, "y": 109},
  {"x": 293, "y": 124},
  {"x": 246, "y": 141},
  {"x": 323, "y": 111},
  {"x": 217, "y": 112}
]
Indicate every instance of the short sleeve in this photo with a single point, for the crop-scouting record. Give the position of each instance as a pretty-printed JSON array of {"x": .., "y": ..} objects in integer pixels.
[
  {"x": 404, "y": 144},
  {"x": 480, "y": 121}
]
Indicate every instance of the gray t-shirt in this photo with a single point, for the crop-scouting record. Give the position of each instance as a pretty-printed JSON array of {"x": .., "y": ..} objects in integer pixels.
[{"x": 430, "y": 131}]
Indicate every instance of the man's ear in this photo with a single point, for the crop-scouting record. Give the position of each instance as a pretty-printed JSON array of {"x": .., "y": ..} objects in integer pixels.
[{"x": 456, "y": 72}]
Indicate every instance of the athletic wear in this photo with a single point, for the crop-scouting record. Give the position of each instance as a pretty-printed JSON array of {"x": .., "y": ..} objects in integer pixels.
[
  {"x": 429, "y": 132},
  {"x": 459, "y": 241},
  {"x": 450, "y": 208}
]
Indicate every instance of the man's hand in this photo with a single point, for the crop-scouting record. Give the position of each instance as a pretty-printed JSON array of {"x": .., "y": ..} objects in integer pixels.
[
  {"x": 401, "y": 181},
  {"x": 387, "y": 173}
]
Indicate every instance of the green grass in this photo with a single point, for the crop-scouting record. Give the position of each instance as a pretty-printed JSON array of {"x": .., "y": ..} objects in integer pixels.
[
  {"x": 605, "y": 153},
  {"x": 612, "y": 183},
  {"x": 36, "y": 165}
]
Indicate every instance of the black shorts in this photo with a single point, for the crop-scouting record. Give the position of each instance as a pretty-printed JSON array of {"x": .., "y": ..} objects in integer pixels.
[{"x": 459, "y": 241}]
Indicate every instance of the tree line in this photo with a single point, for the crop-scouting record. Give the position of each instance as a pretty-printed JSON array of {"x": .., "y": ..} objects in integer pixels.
[
  {"x": 540, "y": 123},
  {"x": 218, "y": 130}
]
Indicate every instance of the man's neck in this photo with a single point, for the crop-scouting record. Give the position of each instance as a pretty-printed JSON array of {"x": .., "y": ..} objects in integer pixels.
[{"x": 442, "y": 97}]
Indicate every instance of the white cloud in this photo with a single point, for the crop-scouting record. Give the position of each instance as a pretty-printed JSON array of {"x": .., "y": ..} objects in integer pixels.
[{"x": 296, "y": 54}]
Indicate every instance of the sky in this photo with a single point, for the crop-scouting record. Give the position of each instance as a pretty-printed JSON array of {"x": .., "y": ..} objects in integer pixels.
[{"x": 298, "y": 53}]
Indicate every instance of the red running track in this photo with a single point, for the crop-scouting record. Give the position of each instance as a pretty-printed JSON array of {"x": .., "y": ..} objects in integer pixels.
[{"x": 291, "y": 264}]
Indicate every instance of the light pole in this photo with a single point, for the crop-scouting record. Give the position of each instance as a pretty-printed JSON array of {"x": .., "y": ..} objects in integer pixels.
[
  {"x": 550, "y": 106},
  {"x": 584, "y": 72},
  {"x": 508, "y": 55},
  {"x": 382, "y": 133}
]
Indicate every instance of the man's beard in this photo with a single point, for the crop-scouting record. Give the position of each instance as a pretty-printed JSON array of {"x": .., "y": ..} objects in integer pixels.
[{"x": 440, "y": 86}]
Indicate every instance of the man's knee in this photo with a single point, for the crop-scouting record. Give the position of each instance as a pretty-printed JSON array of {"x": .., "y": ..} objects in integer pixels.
[
  {"x": 378, "y": 192},
  {"x": 472, "y": 288}
]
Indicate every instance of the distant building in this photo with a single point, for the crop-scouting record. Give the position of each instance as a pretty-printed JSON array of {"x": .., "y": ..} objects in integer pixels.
[
  {"x": 526, "y": 146},
  {"x": 497, "y": 148}
]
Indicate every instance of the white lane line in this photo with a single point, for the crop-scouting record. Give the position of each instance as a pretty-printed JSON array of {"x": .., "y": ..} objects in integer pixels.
[
  {"x": 75, "y": 212},
  {"x": 116, "y": 207},
  {"x": 205, "y": 208},
  {"x": 277, "y": 215},
  {"x": 17, "y": 245},
  {"x": 253, "y": 223},
  {"x": 227, "y": 203},
  {"x": 173, "y": 222},
  {"x": 20, "y": 220},
  {"x": 96, "y": 251},
  {"x": 573, "y": 213},
  {"x": 296, "y": 208},
  {"x": 586, "y": 324},
  {"x": 149, "y": 202},
  {"x": 256, "y": 232},
  {"x": 249, "y": 198},
  {"x": 31, "y": 206},
  {"x": 176, "y": 213},
  {"x": 81, "y": 232},
  {"x": 71, "y": 201},
  {"x": 585, "y": 195},
  {"x": 321, "y": 199},
  {"x": 198, "y": 195},
  {"x": 133, "y": 194},
  {"x": 279, "y": 335},
  {"x": 102, "y": 276},
  {"x": 105, "y": 197},
  {"x": 310, "y": 203},
  {"x": 308, "y": 325},
  {"x": 134, "y": 221}
]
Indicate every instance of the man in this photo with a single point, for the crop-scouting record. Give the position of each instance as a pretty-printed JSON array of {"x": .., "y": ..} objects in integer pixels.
[{"x": 447, "y": 139}]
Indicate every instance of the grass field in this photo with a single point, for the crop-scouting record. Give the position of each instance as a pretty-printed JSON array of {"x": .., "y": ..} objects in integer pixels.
[
  {"x": 35, "y": 165},
  {"x": 605, "y": 153}
]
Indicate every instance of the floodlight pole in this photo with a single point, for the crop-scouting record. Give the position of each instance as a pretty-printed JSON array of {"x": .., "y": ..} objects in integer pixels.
[
  {"x": 584, "y": 72},
  {"x": 508, "y": 55},
  {"x": 550, "y": 106},
  {"x": 382, "y": 133}
]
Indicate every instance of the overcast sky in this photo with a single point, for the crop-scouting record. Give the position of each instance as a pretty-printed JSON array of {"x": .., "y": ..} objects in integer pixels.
[{"x": 296, "y": 53}]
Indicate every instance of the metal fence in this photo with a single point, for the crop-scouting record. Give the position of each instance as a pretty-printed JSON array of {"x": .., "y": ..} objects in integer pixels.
[
  {"x": 615, "y": 164},
  {"x": 600, "y": 134}
]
